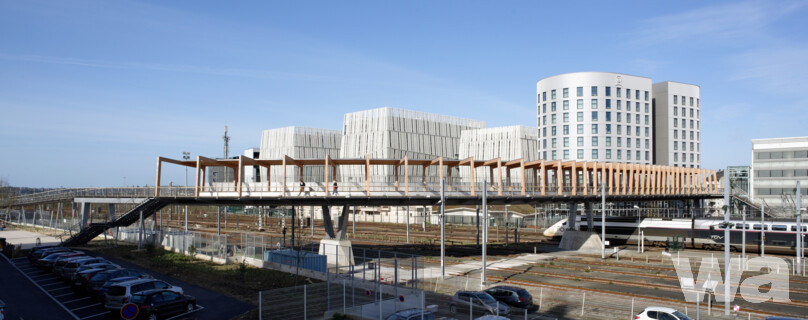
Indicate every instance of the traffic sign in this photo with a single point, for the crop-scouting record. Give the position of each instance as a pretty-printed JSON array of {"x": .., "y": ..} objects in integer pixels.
[
  {"x": 129, "y": 311},
  {"x": 401, "y": 298}
]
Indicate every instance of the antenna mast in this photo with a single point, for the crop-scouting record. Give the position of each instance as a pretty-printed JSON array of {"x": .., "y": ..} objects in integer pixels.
[{"x": 226, "y": 139}]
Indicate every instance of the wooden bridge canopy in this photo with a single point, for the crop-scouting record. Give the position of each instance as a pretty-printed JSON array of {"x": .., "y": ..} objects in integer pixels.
[{"x": 535, "y": 177}]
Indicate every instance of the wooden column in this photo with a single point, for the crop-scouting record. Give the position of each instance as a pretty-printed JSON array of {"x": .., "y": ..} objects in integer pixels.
[
  {"x": 240, "y": 183},
  {"x": 595, "y": 179},
  {"x": 326, "y": 183},
  {"x": 543, "y": 183},
  {"x": 423, "y": 177},
  {"x": 559, "y": 178},
  {"x": 157, "y": 183},
  {"x": 586, "y": 177},
  {"x": 396, "y": 172},
  {"x": 574, "y": 177},
  {"x": 367, "y": 175},
  {"x": 610, "y": 180},
  {"x": 283, "y": 177},
  {"x": 522, "y": 171},
  {"x": 624, "y": 178},
  {"x": 196, "y": 183},
  {"x": 473, "y": 181},
  {"x": 269, "y": 181},
  {"x": 499, "y": 175},
  {"x": 406, "y": 176}
]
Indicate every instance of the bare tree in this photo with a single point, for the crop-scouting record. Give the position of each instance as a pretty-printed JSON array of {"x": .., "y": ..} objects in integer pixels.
[{"x": 6, "y": 194}]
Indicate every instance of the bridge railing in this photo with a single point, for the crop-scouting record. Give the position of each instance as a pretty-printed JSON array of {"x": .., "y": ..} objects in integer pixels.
[{"x": 65, "y": 194}]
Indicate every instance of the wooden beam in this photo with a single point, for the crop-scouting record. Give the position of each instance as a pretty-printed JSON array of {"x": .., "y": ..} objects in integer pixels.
[
  {"x": 406, "y": 176},
  {"x": 157, "y": 183},
  {"x": 522, "y": 171},
  {"x": 367, "y": 175}
]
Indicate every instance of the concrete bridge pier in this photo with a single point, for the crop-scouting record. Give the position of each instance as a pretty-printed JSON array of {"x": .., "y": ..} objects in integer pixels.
[
  {"x": 590, "y": 224},
  {"x": 573, "y": 238},
  {"x": 336, "y": 247}
]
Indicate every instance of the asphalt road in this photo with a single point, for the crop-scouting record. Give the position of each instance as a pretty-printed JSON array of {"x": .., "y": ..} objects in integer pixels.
[{"x": 23, "y": 299}]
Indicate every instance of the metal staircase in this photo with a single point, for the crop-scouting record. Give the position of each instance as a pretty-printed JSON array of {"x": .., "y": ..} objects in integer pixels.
[{"x": 148, "y": 208}]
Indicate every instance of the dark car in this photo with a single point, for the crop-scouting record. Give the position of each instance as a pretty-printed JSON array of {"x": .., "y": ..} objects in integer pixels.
[
  {"x": 158, "y": 304},
  {"x": 38, "y": 249},
  {"x": 513, "y": 296},
  {"x": 37, "y": 254},
  {"x": 50, "y": 260},
  {"x": 94, "y": 283}
]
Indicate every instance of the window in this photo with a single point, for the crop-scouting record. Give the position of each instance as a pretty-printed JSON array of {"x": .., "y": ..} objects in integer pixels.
[
  {"x": 544, "y": 131},
  {"x": 691, "y": 146},
  {"x": 544, "y": 96},
  {"x": 691, "y": 112},
  {"x": 619, "y": 154},
  {"x": 580, "y": 103},
  {"x": 675, "y": 111},
  {"x": 628, "y": 130},
  {"x": 566, "y": 104},
  {"x": 594, "y": 91},
  {"x": 608, "y": 103},
  {"x": 580, "y": 129},
  {"x": 675, "y": 123},
  {"x": 566, "y": 154},
  {"x": 675, "y": 156},
  {"x": 619, "y": 127},
  {"x": 691, "y": 101},
  {"x": 553, "y": 118},
  {"x": 566, "y": 142},
  {"x": 608, "y": 91},
  {"x": 580, "y": 116},
  {"x": 566, "y": 129},
  {"x": 555, "y": 156},
  {"x": 544, "y": 108},
  {"x": 628, "y": 93},
  {"x": 553, "y": 106},
  {"x": 608, "y": 141},
  {"x": 594, "y": 103},
  {"x": 594, "y": 116},
  {"x": 691, "y": 155},
  {"x": 636, "y": 94},
  {"x": 552, "y": 94},
  {"x": 608, "y": 116},
  {"x": 594, "y": 129},
  {"x": 595, "y": 151},
  {"x": 676, "y": 145},
  {"x": 675, "y": 99},
  {"x": 566, "y": 92},
  {"x": 608, "y": 153},
  {"x": 553, "y": 129},
  {"x": 646, "y": 96},
  {"x": 647, "y": 145},
  {"x": 618, "y": 91},
  {"x": 637, "y": 130},
  {"x": 691, "y": 124},
  {"x": 619, "y": 142},
  {"x": 628, "y": 145},
  {"x": 628, "y": 153},
  {"x": 676, "y": 134},
  {"x": 646, "y": 119},
  {"x": 544, "y": 120},
  {"x": 646, "y": 156},
  {"x": 594, "y": 141},
  {"x": 637, "y": 117},
  {"x": 608, "y": 128},
  {"x": 566, "y": 117},
  {"x": 628, "y": 117},
  {"x": 554, "y": 143},
  {"x": 647, "y": 132},
  {"x": 544, "y": 143},
  {"x": 580, "y": 154},
  {"x": 580, "y": 141},
  {"x": 618, "y": 105},
  {"x": 580, "y": 91},
  {"x": 618, "y": 117}
]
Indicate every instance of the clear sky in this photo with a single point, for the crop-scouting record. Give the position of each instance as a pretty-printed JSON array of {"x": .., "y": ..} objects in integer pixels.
[{"x": 93, "y": 91}]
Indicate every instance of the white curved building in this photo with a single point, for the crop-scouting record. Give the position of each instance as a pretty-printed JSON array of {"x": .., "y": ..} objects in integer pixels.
[{"x": 595, "y": 116}]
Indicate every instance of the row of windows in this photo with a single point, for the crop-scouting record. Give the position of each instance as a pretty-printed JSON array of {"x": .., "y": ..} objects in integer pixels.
[
  {"x": 593, "y": 104},
  {"x": 594, "y": 130},
  {"x": 684, "y": 123},
  {"x": 801, "y": 154},
  {"x": 608, "y": 114},
  {"x": 594, "y": 142},
  {"x": 684, "y": 135},
  {"x": 693, "y": 146},
  {"x": 684, "y": 112},
  {"x": 684, "y": 101},
  {"x": 781, "y": 173},
  {"x": 693, "y": 157},
  {"x": 774, "y": 227},
  {"x": 594, "y": 92},
  {"x": 595, "y": 153},
  {"x": 779, "y": 191}
]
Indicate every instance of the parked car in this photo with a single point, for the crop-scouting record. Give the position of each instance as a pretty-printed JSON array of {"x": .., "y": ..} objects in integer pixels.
[
  {"x": 93, "y": 283},
  {"x": 119, "y": 294},
  {"x": 102, "y": 291},
  {"x": 47, "y": 262},
  {"x": 492, "y": 317},
  {"x": 661, "y": 313},
  {"x": 411, "y": 314},
  {"x": 73, "y": 265},
  {"x": 93, "y": 267},
  {"x": 64, "y": 260},
  {"x": 480, "y": 302},
  {"x": 513, "y": 296},
  {"x": 2, "y": 310},
  {"x": 158, "y": 304},
  {"x": 40, "y": 253}
]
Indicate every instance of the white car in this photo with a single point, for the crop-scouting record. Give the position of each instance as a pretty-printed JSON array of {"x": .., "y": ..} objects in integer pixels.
[{"x": 661, "y": 313}]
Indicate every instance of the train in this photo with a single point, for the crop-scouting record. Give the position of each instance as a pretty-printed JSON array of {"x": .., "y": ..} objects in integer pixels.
[{"x": 699, "y": 233}]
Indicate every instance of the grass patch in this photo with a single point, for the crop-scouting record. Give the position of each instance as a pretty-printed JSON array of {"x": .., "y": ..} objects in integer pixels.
[{"x": 240, "y": 281}]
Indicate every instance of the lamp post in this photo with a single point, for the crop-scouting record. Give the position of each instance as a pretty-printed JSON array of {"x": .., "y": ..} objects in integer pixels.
[
  {"x": 602, "y": 220},
  {"x": 639, "y": 230},
  {"x": 506, "y": 224},
  {"x": 186, "y": 156},
  {"x": 762, "y": 232}
]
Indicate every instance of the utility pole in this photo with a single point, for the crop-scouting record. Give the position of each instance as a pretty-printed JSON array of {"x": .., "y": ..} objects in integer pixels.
[
  {"x": 186, "y": 156},
  {"x": 603, "y": 220},
  {"x": 726, "y": 246},
  {"x": 762, "y": 232},
  {"x": 485, "y": 231},
  {"x": 442, "y": 229}
]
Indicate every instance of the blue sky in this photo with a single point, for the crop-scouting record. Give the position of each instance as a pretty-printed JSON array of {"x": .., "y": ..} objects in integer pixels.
[{"x": 93, "y": 91}]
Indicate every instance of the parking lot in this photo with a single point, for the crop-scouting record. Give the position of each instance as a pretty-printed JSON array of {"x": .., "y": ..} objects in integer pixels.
[{"x": 82, "y": 307}]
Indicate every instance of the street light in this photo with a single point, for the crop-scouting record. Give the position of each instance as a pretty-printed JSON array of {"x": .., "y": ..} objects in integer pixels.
[
  {"x": 186, "y": 156},
  {"x": 639, "y": 230}
]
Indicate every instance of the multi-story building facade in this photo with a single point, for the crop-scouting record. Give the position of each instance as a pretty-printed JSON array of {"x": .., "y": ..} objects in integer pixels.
[
  {"x": 677, "y": 124},
  {"x": 299, "y": 143},
  {"x": 595, "y": 116},
  {"x": 777, "y": 165},
  {"x": 394, "y": 133},
  {"x": 507, "y": 143},
  {"x": 739, "y": 178}
]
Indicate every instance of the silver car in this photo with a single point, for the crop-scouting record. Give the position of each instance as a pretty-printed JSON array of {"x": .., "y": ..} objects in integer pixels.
[
  {"x": 73, "y": 265},
  {"x": 479, "y": 302},
  {"x": 119, "y": 294}
]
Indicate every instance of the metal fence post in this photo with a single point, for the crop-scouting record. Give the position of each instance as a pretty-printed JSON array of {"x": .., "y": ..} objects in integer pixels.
[
  {"x": 305, "y": 306},
  {"x": 260, "y": 306},
  {"x": 343, "y": 296},
  {"x": 583, "y": 304}
]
